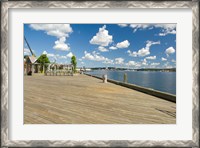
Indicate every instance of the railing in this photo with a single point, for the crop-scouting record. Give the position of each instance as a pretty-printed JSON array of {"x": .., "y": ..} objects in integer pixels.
[{"x": 58, "y": 73}]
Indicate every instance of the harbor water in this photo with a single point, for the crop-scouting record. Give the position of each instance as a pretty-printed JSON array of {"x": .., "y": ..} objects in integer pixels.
[{"x": 161, "y": 81}]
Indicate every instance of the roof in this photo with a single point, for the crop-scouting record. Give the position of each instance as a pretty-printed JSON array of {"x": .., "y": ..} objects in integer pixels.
[{"x": 32, "y": 59}]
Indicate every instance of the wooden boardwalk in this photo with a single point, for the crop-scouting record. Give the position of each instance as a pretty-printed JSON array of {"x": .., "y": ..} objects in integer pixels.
[{"x": 86, "y": 100}]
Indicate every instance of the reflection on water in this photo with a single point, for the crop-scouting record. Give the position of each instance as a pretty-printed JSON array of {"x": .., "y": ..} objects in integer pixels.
[{"x": 162, "y": 81}]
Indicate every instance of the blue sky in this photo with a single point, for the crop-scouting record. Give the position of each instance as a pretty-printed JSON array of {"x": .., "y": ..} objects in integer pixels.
[{"x": 101, "y": 45}]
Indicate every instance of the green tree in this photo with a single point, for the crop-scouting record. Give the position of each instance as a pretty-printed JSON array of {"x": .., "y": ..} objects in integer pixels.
[
  {"x": 42, "y": 60},
  {"x": 74, "y": 62}
]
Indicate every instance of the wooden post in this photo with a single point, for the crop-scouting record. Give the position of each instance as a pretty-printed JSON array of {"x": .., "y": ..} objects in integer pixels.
[
  {"x": 125, "y": 78},
  {"x": 104, "y": 78}
]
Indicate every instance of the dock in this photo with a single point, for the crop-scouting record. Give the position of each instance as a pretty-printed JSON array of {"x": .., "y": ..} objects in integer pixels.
[{"x": 81, "y": 99}]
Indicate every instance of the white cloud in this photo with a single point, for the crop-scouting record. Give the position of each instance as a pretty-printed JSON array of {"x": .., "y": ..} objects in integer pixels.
[
  {"x": 167, "y": 65},
  {"x": 102, "y": 49},
  {"x": 27, "y": 51},
  {"x": 102, "y": 38},
  {"x": 162, "y": 34},
  {"x": 94, "y": 56},
  {"x": 57, "y": 30},
  {"x": 150, "y": 43},
  {"x": 62, "y": 57},
  {"x": 50, "y": 55},
  {"x": 174, "y": 61},
  {"x": 144, "y": 62},
  {"x": 167, "y": 29},
  {"x": 61, "y": 31},
  {"x": 94, "y": 52},
  {"x": 131, "y": 63},
  {"x": 167, "y": 32},
  {"x": 151, "y": 58},
  {"x": 144, "y": 51},
  {"x": 123, "y": 25},
  {"x": 166, "y": 26},
  {"x": 155, "y": 64},
  {"x": 119, "y": 61},
  {"x": 132, "y": 54},
  {"x": 163, "y": 59},
  {"x": 113, "y": 48},
  {"x": 108, "y": 61},
  {"x": 139, "y": 26},
  {"x": 61, "y": 45},
  {"x": 69, "y": 55},
  {"x": 124, "y": 44},
  {"x": 44, "y": 52},
  {"x": 169, "y": 51},
  {"x": 138, "y": 64},
  {"x": 88, "y": 56}
]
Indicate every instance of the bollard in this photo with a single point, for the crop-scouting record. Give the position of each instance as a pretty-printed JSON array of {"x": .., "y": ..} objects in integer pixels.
[
  {"x": 125, "y": 78},
  {"x": 104, "y": 78}
]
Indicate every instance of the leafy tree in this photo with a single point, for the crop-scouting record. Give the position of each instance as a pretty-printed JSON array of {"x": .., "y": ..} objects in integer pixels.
[
  {"x": 43, "y": 59},
  {"x": 74, "y": 62}
]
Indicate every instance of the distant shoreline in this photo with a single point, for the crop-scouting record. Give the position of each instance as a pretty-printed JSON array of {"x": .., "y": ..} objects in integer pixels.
[{"x": 142, "y": 69}]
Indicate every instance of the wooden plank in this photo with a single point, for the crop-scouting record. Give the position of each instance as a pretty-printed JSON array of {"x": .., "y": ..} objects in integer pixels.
[{"x": 86, "y": 100}]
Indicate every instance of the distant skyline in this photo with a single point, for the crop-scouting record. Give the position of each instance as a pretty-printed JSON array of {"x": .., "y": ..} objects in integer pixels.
[{"x": 105, "y": 45}]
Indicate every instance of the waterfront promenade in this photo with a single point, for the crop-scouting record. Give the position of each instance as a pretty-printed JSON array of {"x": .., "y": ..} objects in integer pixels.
[{"x": 83, "y": 99}]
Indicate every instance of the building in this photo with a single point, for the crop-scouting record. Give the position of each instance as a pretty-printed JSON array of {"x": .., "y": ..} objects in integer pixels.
[{"x": 31, "y": 65}]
